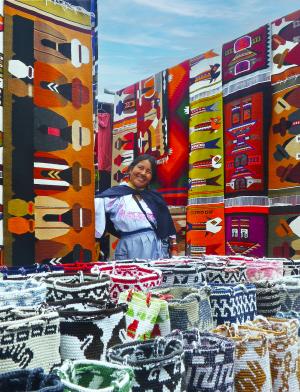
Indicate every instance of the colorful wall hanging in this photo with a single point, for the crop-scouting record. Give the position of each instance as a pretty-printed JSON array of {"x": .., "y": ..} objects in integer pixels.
[
  {"x": 246, "y": 124},
  {"x": 246, "y": 61},
  {"x": 246, "y": 231},
  {"x": 284, "y": 232},
  {"x": 48, "y": 157},
  {"x": 172, "y": 180},
  {"x": 284, "y": 179},
  {"x": 205, "y": 229}
]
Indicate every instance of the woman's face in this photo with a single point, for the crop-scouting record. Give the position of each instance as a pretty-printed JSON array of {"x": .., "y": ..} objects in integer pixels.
[{"x": 141, "y": 174}]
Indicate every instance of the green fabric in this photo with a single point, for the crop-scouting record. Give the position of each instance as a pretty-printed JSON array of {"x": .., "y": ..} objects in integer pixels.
[
  {"x": 90, "y": 376},
  {"x": 145, "y": 320}
]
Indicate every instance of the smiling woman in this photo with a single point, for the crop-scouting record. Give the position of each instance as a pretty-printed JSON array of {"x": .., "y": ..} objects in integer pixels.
[{"x": 137, "y": 215}]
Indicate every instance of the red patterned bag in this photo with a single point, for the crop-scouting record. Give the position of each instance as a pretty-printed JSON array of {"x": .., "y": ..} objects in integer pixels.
[{"x": 130, "y": 276}]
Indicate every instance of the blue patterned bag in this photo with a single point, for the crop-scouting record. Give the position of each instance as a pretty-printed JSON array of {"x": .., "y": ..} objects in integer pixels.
[
  {"x": 233, "y": 303},
  {"x": 158, "y": 365},
  {"x": 290, "y": 294},
  {"x": 209, "y": 360},
  {"x": 22, "y": 293},
  {"x": 27, "y": 270},
  {"x": 180, "y": 273}
]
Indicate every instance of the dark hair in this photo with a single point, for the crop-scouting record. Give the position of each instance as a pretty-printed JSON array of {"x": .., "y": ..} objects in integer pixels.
[{"x": 145, "y": 157}]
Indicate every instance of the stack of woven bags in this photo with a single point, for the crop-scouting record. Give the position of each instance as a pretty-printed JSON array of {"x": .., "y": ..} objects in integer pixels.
[{"x": 183, "y": 324}]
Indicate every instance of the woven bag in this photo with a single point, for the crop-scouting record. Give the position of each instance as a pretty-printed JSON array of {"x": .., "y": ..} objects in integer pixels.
[
  {"x": 291, "y": 267},
  {"x": 92, "y": 376},
  {"x": 158, "y": 365},
  {"x": 289, "y": 315},
  {"x": 264, "y": 269},
  {"x": 209, "y": 360},
  {"x": 290, "y": 293},
  {"x": 29, "y": 339},
  {"x": 22, "y": 293},
  {"x": 89, "y": 328},
  {"x": 225, "y": 272},
  {"x": 252, "y": 362},
  {"x": 77, "y": 287},
  {"x": 130, "y": 276},
  {"x": 268, "y": 298},
  {"x": 146, "y": 317},
  {"x": 189, "y": 307},
  {"x": 28, "y": 270},
  {"x": 283, "y": 348},
  {"x": 233, "y": 303},
  {"x": 34, "y": 380},
  {"x": 181, "y": 273}
]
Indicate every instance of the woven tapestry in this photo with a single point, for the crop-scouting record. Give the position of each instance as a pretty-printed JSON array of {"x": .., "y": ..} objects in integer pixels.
[
  {"x": 48, "y": 97},
  {"x": 284, "y": 153},
  {"x": 246, "y": 60},
  {"x": 246, "y": 124},
  {"x": 246, "y": 231},
  {"x": 205, "y": 75},
  {"x": 284, "y": 232},
  {"x": 172, "y": 172},
  {"x": 205, "y": 229},
  {"x": 206, "y": 159},
  {"x": 124, "y": 132},
  {"x": 152, "y": 115}
]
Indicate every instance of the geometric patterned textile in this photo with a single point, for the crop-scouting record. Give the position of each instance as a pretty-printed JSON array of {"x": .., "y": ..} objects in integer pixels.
[
  {"x": 206, "y": 160},
  {"x": 48, "y": 156},
  {"x": 205, "y": 211},
  {"x": 151, "y": 105},
  {"x": 246, "y": 60},
  {"x": 246, "y": 123},
  {"x": 124, "y": 132},
  {"x": 252, "y": 360},
  {"x": 205, "y": 75},
  {"x": 246, "y": 231},
  {"x": 151, "y": 117},
  {"x": 205, "y": 229},
  {"x": 284, "y": 179},
  {"x": 173, "y": 170},
  {"x": 284, "y": 232},
  {"x": 234, "y": 303},
  {"x": 206, "y": 168}
]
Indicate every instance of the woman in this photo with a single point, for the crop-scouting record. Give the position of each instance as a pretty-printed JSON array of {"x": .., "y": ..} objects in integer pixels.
[{"x": 137, "y": 215}]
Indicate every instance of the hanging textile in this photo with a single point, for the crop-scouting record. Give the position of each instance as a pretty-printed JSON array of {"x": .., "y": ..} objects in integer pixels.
[
  {"x": 205, "y": 211},
  {"x": 284, "y": 232},
  {"x": 124, "y": 132},
  {"x": 246, "y": 119},
  {"x": 246, "y": 231},
  {"x": 103, "y": 142},
  {"x": 284, "y": 179},
  {"x": 48, "y": 189},
  {"x": 246, "y": 60},
  {"x": 152, "y": 120},
  {"x": 172, "y": 180},
  {"x": 205, "y": 229}
]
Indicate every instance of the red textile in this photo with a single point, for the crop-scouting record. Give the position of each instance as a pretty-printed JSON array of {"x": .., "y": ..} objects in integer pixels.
[{"x": 103, "y": 142}]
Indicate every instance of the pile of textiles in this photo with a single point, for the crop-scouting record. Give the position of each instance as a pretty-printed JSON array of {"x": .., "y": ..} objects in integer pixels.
[{"x": 183, "y": 324}]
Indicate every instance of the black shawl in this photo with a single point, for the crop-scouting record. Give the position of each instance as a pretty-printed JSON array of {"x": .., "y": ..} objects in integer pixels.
[{"x": 155, "y": 202}]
